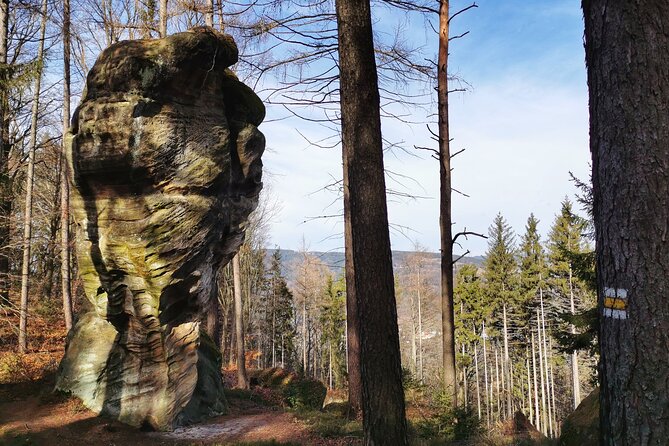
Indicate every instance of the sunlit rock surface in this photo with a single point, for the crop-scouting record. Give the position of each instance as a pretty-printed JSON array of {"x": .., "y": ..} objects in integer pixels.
[{"x": 164, "y": 156}]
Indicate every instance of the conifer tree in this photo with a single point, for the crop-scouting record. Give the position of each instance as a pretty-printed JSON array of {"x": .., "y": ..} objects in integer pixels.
[
  {"x": 565, "y": 240},
  {"x": 333, "y": 325},
  {"x": 533, "y": 271},
  {"x": 502, "y": 287},
  {"x": 471, "y": 305},
  {"x": 279, "y": 318}
]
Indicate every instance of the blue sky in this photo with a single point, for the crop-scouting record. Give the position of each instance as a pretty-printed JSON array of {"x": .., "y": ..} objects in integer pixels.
[{"x": 523, "y": 123}]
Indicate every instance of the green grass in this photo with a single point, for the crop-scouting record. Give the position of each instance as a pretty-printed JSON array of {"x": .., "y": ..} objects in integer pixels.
[{"x": 329, "y": 424}]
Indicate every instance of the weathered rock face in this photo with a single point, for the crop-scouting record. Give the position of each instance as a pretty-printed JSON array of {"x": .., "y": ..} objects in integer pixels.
[{"x": 164, "y": 153}]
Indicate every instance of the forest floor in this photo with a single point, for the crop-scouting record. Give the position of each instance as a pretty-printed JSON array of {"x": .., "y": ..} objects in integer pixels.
[{"x": 30, "y": 414}]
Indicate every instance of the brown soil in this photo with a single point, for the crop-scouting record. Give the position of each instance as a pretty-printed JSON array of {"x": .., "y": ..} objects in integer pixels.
[{"x": 31, "y": 415}]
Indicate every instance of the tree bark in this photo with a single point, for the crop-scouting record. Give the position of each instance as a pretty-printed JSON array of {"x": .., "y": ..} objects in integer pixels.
[
  {"x": 65, "y": 183},
  {"x": 485, "y": 375},
  {"x": 5, "y": 201},
  {"x": 369, "y": 272},
  {"x": 537, "y": 416},
  {"x": 420, "y": 331},
  {"x": 27, "y": 216},
  {"x": 626, "y": 46},
  {"x": 529, "y": 390},
  {"x": 478, "y": 386},
  {"x": 546, "y": 364},
  {"x": 162, "y": 14},
  {"x": 542, "y": 375},
  {"x": 507, "y": 370},
  {"x": 576, "y": 380},
  {"x": 209, "y": 14},
  {"x": 242, "y": 377},
  {"x": 447, "y": 312}
]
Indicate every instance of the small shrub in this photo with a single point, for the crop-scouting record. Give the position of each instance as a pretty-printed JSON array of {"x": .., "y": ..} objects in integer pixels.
[
  {"x": 297, "y": 392},
  {"x": 450, "y": 424},
  {"x": 305, "y": 393},
  {"x": 410, "y": 381}
]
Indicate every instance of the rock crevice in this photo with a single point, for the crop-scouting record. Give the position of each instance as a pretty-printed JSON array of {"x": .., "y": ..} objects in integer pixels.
[{"x": 165, "y": 162}]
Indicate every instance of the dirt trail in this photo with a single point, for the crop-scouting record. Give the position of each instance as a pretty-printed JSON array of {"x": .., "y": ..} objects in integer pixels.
[
  {"x": 32, "y": 421},
  {"x": 276, "y": 425}
]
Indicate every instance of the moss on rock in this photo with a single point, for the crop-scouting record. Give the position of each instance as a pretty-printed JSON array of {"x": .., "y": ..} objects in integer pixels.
[{"x": 165, "y": 163}]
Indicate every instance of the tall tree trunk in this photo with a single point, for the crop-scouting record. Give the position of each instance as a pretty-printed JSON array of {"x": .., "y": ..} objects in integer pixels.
[
  {"x": 242, "y": 377},
  {"x": 273, "y": 322},
  {"x": 485, "y": 375},
  {"x": 65, "y": 182},
  {"x": 5, "y": 202},
  {"x": 420, "y": 332},
  {"x": 478, "y": 386},
  {"x": 330, "y": 378},
  {"x": 447, "y": 313},
  {"x": 305, "y": 363},
  {"x": 414, "y": 348},
  {"x": 505, "y": 362},
  {"x": 546, "y": 364},
  {"x": 552, "y": 396},
  {"x": 529, "y": 389},
  {"x": 464, "y": 380},
  {"x": 162, "y": 14},
  {"x": 369, "y": 271},
  {"x": 209, "y": 13},
  {"x": 537, "y": 417},
  {"x": 576, "y": 381},
  {"x": 51, "y": 264},
  {"x": 27, "y": 216},
  {"x": 499, "y": 407},
  {"x": 542, "y": 375}
]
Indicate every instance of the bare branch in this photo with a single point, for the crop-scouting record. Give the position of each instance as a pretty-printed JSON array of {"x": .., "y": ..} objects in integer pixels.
[{"x": 473, "y": 5}]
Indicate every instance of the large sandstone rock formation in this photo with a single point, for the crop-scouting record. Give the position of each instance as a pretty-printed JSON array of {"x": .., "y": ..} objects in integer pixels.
[{"x": 164, "y": 154}]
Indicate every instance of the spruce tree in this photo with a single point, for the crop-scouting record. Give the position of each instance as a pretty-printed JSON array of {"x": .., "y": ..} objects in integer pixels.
[
  {"x": 280, "y": 317},
  {"x": 502, "y": 290},
  {"x": 333, "y": 326},
  {"x": 566, "y": 240},
  {"x": 471, "y": 305},
  {"x": 533, "y": 271}
]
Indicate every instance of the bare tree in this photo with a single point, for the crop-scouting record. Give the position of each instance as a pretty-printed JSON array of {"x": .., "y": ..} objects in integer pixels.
[
  {"x": 65, "y": 184},
  {"x": 163, "y": 18},
  {"x": 242, "y": 376},
  {"x": 27, "y": 216},
  {"x": 5, "y": 203},
  {"x": 445, "y": 218}
]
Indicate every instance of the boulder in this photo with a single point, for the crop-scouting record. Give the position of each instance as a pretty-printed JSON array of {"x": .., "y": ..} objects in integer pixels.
[
  {"x": 165, "y": 165},
  {"x": 581, "y": 427}
]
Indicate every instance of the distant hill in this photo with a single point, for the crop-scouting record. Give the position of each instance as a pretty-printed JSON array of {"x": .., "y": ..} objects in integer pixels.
[{"x": 335, "y": 260}]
